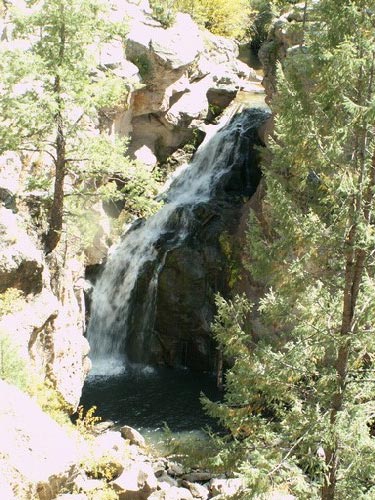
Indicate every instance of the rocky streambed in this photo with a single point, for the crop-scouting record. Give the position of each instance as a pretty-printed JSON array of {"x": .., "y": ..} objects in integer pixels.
[{"x": 43, "y": 460}]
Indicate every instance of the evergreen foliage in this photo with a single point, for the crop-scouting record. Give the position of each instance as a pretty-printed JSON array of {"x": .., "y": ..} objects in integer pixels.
[{"x": 299, "y": 403}]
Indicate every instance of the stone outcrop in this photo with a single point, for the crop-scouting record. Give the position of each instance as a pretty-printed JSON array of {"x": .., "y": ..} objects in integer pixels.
[
  {"x": 182, "y": 71},
  {"x": 37, "y": 456},
  {"x": 285, "y": 35},
  {"x": 20, "y": 261},
  {"x": 45, "y": 323}
]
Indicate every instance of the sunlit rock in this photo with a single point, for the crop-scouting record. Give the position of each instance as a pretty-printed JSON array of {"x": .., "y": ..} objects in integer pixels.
[
  {"x": 192, "y": 105},
  {"x": 37, "y": 455},
  {"x": 137, "y": 482},
  {"x": 145, "y": 155},
  {"x": 69, "y": 349},
  {"x": 21, "y": 264},
  {"x": 176, "y": 493},
  {"x": 226, "y": 487},
  {"x": 175, "y": 47},
  {"x": 279, "y": 495},
  {"x": 197, "y": 490},
  {"x": 132, "y": 435},
  {"x": 10, "y": 171}
]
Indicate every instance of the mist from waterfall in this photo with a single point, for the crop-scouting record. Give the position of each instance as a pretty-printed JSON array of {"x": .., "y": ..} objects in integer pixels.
[{"x": 193, "y": 184}]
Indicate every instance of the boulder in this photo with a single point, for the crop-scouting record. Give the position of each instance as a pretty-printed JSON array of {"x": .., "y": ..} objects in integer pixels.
[
  {"x": 133, "y": 436},
  {"x": 194, "y": 477},
  {"x": 175, "y": 469},
  {"x": 157, "y": 495},
  {"x": 37, "y": 456},
  {"x": 197, "y": 490},
  {"x": 192, "y": 105},
  {"x": 226, "y": 487},
  {"x": 159, "y": 467},
  {"x": 86, "y": 485},
  {"x": 109, "y": 443},
  {"x": 221, "y": 96},
  {"x": 172, "y": 48},
  {"x": 165, "y": 482},
  {"x": 175, "y": 493},
  {"x": 137, "y": 482}
]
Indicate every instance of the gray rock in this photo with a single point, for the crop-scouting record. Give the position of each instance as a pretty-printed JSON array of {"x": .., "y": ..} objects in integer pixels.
[
  {"x": 109, "y": 441},
  {"x": 226, "y": 487},
  {"x": 194, "y": 477},
  {"x": 197, "y": 490},
  {"x": 165, "y": 482},
  {"x": 137, "y": 482},
  {"x": 133, "y": 436},
  {"x": 21, "y": 264},
  {"x": 175, "y": 469},
  {"x": 103, "y": 426},
  {"x": 175, "y": 493},
  {"x": 159, "y": 467},
  {"x": 87, "y": 485},
  {"x": 221, "y": 95}
]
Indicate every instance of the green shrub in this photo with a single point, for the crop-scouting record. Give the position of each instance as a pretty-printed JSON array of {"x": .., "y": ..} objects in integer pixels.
[
  {"x": 163, "y": 11},
  {"x": 228, "y": 18}
]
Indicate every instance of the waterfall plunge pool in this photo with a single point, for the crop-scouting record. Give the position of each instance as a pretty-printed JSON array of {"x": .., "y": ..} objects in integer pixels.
[{"x": 150, "y": 398}]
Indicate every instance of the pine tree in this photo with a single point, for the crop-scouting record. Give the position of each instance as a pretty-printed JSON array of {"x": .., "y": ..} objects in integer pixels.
[
  {"x": 52, "y": 93},
  {"x": 300, "y": 401}
]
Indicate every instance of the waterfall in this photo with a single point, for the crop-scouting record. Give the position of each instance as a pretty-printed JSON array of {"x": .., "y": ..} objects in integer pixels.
[{"x": 143, "y": 248}]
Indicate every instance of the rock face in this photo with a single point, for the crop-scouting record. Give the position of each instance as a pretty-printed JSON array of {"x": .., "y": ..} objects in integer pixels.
[
  {"x": 20, "y": 261},
  {"x": 36, "y": 455},
  {"x": 286, "y": 34},
  {"x": 195, "y": 269},
  {"x": 47, "y": 324},
  {"x": 182, "y": 71}
]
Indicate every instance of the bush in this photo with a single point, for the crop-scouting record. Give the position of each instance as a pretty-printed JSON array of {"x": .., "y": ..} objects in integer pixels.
[
  {"x": 229, "y": 18},
  {"x": 163, "y": 11}
]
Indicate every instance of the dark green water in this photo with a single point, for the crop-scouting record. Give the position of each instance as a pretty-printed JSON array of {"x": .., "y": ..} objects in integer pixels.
[{"x": 150, "y": 398}]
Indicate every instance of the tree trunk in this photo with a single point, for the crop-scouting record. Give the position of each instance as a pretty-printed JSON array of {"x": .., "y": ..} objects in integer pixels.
[{"x": 57, "y": 209}]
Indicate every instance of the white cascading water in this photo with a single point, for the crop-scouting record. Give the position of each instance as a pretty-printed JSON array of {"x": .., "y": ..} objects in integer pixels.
[{"x": 111, "y": 300}]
